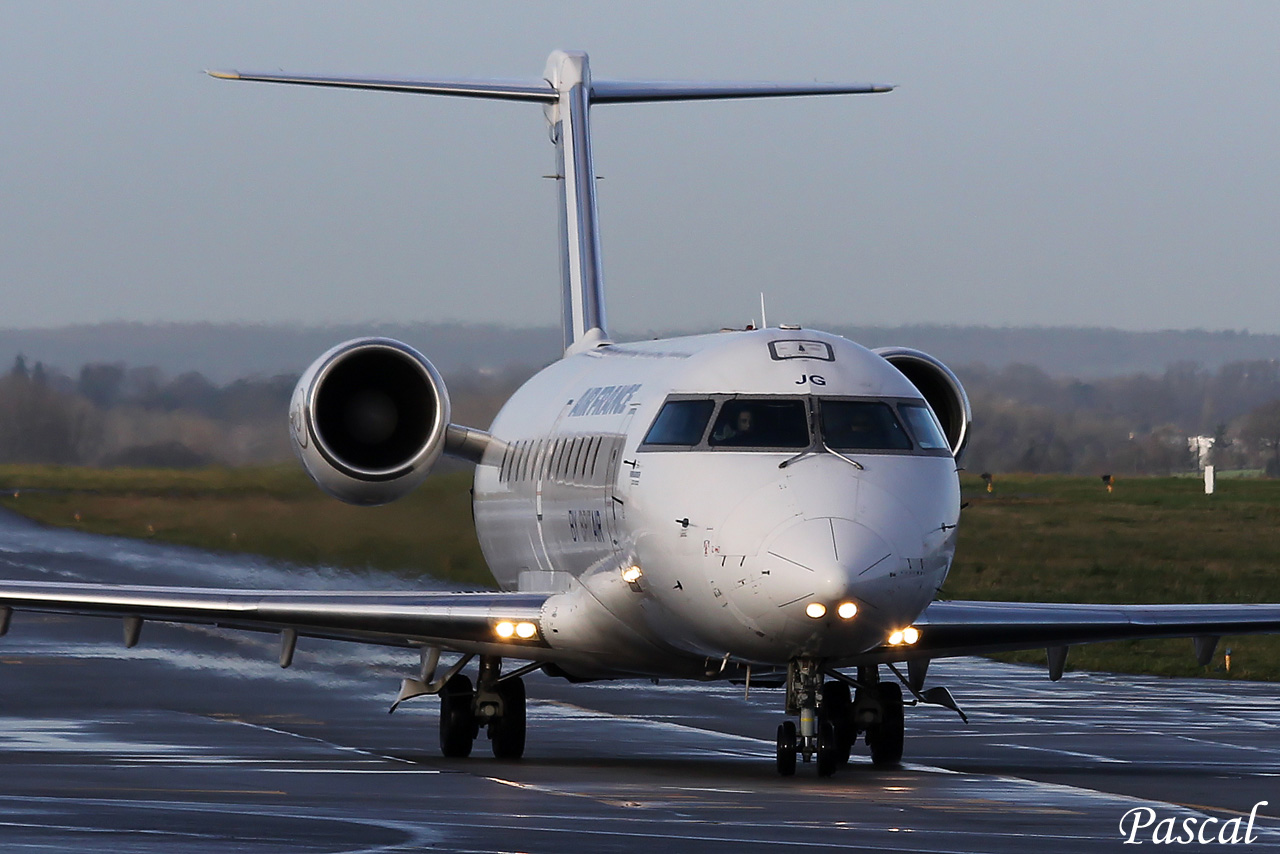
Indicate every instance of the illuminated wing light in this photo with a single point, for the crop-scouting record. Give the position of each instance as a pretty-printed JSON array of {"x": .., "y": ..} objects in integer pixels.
[
  {"x": 816, "y": 610},
  {"x": 523, "y": 630},
  {"x": 906, "y": 636},
  {"x": 632, "y": 574},
  {"x": 847, "y": 610}
]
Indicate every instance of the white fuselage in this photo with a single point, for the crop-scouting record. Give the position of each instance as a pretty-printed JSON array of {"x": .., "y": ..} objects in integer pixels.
[{"x": 732, "y": 546}]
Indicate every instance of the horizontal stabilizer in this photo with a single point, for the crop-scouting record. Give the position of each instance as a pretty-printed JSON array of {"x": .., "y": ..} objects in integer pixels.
[
  {"x": 624, "y": 91},
  {"x": 506, "y": 90},
  {"x": 602, "y": 91}
]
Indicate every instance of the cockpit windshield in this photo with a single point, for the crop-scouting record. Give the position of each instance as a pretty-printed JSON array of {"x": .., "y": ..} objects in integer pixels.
[
  {"x": 925, "y": 426},
  {"x": 681, "y": 422},
  {"x": 862, "y": 425},
  {"x": 761, "y": 423},
  {"x": 780, "y": 423}
]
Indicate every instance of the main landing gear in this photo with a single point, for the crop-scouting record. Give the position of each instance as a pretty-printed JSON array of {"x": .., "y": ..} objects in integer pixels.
[
  {"x": 832, "y": 717},
  {"x": 494, "y": 703}
]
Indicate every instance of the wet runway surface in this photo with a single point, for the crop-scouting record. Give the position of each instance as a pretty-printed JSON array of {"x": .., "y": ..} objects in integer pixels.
[{"x": 197, "y": 741}]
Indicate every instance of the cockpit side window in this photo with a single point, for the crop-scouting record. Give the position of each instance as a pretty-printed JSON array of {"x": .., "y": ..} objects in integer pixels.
[
  {"x": 862, "y": 425},
  {"x": 681, "y": 422},
  {"x": 924, "y": 426},
  {"x": 761, "y": 423}
]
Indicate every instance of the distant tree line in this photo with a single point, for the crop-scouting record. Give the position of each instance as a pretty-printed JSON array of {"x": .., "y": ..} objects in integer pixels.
[
  {"x": 110, "y": 414},
  {"x": 1026, "y": 420},
  {"x": 1029, "y": 421}
]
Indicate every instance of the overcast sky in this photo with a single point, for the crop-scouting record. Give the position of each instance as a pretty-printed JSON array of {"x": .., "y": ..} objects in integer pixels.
[{"x": 1095, "y": 164}]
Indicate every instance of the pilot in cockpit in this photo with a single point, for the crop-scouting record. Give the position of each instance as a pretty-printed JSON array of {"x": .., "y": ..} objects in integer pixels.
[{"x": 736, "y": 431}]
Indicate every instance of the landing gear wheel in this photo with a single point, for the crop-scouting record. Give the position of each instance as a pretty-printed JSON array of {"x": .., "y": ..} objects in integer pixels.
[
  {"x": 885, "y": 738},
  {"x": 787, "y": 748},
  {"x": 507, "y": 732},
  {"x": 828, "y": 749},
  {"x": 458, "y": 727},
  {"x": 837, "y": 707}
]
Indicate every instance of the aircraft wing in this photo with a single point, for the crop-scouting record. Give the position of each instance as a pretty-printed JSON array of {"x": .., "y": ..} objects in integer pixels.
[
  {"x": 974, "y": 628},
  {"x": 463, "y": 622}
]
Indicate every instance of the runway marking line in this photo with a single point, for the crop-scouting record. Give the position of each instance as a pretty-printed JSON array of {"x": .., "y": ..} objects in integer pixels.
[
  {"x": 123, "y": 789},
  {"x": 1074, "y": 753}
]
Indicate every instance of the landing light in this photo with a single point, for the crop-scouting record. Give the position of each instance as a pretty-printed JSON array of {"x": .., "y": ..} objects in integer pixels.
[
  {"x": 631, "y": 574},
  {"x": 816, "y": 610},
  {"x": 907, "y": 636},
  {"x": 847, "y": 610},
  {"x": 523, "y": 630}
]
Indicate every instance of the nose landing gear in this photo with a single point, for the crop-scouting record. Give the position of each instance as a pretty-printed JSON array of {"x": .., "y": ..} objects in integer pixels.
[{"x": 831, "y": 719}]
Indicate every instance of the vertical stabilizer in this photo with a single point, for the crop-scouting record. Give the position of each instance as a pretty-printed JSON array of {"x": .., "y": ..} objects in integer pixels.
[
  {"x": 567, "y": 93},
  {"x": 569, "y": 73}
]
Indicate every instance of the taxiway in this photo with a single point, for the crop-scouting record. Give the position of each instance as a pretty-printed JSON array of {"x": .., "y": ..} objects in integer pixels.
[{"x": 197, "y": 741}]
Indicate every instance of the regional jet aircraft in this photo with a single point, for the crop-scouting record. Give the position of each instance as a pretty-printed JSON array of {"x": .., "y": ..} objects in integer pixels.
[{"x": 773, "y": 506}]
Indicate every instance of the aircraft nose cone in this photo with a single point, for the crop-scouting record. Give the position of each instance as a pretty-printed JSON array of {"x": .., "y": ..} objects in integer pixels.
[{"x": 826, "y": 558}]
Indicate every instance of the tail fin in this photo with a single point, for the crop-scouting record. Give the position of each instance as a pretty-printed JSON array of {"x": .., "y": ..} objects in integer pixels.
[{"x": 567, "y": 93}]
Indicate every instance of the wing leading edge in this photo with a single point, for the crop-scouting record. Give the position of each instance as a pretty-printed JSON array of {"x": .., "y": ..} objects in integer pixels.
[
  {"x": 975, "y": 628},
  {"x": 463, "y": 622}
]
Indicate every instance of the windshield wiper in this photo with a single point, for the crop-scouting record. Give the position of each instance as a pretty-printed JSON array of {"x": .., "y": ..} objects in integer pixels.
[{"x": 816, "y": 449}]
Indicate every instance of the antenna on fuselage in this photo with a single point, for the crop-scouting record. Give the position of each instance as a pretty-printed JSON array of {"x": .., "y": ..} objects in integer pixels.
[
  {"x": 764, "y": 318},
  {"x": 567, "y": 93}
]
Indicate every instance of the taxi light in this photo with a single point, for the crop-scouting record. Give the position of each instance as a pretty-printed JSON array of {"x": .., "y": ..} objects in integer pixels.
[
  {"x": 526, "y": 630},
  {"x": 847, "y": 610},
  {"x": 631, "y": 574},
  {"x": 895, "y": 639},
  {"x": 816, "y": 610},
  {"x": 505, "y": 629},
  {"x": 910, "y": 634}
]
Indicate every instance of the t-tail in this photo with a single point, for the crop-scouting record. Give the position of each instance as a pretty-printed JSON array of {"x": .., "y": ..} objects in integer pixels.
[{"x": 567, "y": 93}]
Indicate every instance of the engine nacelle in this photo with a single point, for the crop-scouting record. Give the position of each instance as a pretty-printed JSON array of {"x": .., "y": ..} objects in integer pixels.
[
  {"x": 940, "y": 387},
  {"x": 369, "y": 419}
]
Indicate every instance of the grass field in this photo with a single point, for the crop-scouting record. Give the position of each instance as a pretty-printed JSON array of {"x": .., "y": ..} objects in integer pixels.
[
  {"x": 1036, "y": 538},
  {"x": 276, "y": 512},
  {"x": 1152, "y": 540}
]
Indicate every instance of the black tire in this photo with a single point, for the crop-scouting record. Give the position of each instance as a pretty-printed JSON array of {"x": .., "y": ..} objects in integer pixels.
[
  {"x": 828, "y": 749},
  {"x": 885, "y": 738},
  {"x": 458, "y": 727},
  {"x": 837, "y": 707},
  {"x": 787, "y": 748},
  {"x": 506, "y": 734}
]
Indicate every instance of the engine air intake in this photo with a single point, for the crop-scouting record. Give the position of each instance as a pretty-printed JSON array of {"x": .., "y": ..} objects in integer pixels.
[
  {"x": 370, "y": 418},
  {"x": 374, "y": 410}
]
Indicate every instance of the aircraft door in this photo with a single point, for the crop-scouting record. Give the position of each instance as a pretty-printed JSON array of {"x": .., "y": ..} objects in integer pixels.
[
  {"x": 624, "y": 472},
  {"x": 547, "y": 497}
]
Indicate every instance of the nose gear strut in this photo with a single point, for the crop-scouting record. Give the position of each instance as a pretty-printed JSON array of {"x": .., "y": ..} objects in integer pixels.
[{"x": 831, "y": 719}]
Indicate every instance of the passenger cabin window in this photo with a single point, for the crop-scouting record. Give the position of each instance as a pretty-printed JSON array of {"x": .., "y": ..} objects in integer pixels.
[
  {"x": 924, "y": 426},
  {"x": 761, "y": 423},
  {"x": 862, "y": 425},
  {"x": 681, "y": 422}
]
